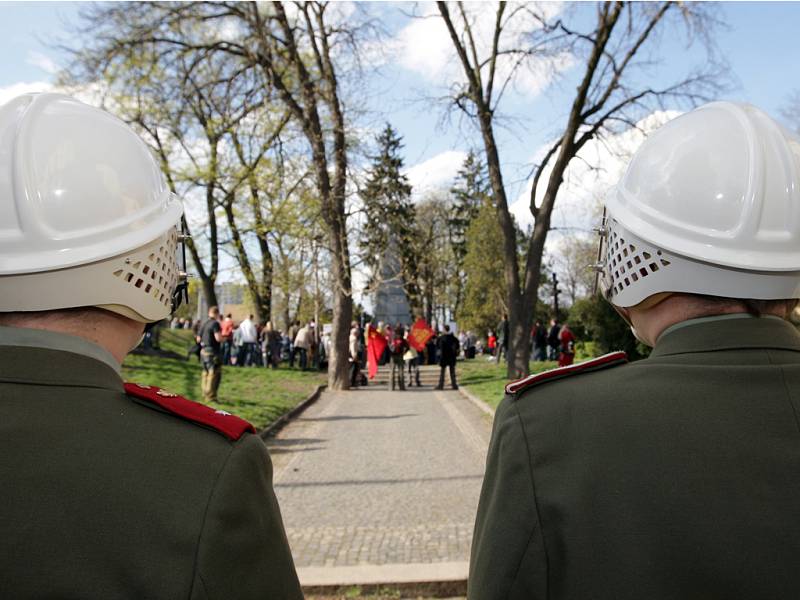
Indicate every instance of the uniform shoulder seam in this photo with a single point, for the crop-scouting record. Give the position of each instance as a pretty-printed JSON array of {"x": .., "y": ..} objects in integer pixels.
[
  {"x": 612, "y": 359},
  {"x": 231, "y": 426}
]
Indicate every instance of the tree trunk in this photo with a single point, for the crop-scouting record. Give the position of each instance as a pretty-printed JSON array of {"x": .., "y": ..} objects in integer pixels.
[
  {"x": 265, "y": 288},
  {"x": 262, "y": 303},
  {"x": 209, "y": 293},
  {"x": 338, "y": 362}
]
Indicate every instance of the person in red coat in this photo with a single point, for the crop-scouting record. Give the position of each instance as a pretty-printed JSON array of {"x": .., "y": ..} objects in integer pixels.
[{"x": 567, "y": 340}]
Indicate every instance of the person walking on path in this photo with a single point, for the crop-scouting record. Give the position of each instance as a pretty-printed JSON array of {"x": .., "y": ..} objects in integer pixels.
[
  {"x": 448, "y": 347},
  {"x": 411, "y": 358},
  {"x": 398, "y": 346},
  {"x": 111, "y": 489},
  {"x": 210, "y": 348},
  {"x": 674, "y": 476},
  {"x": 567, "y": 340},
  {"x": 354, "y": 347}
]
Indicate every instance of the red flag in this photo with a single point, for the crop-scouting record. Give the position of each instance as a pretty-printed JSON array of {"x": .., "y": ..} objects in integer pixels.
[
  {"x": 419, "y": 335},
  {"x": 376, "y": 344}
]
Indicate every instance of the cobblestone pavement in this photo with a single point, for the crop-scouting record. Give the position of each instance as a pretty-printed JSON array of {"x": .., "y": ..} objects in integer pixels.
[{"x": 372, "y": 477}]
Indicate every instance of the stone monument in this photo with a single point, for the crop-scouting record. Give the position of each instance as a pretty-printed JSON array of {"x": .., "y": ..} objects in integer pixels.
[{"x": 391, "y": 302}]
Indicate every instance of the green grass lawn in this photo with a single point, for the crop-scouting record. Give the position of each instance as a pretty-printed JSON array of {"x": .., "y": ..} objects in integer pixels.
[
  {"x": 487, "y": 380},
  {"x": 257, "y": 394}
]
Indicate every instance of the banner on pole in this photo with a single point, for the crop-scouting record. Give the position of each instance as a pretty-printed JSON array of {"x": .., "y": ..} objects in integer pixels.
[
  {"x": 376, "y": 344},
  {"x": 419, "y": 335}
]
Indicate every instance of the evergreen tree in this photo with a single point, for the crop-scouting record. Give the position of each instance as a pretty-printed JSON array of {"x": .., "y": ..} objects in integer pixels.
[
  {"x": 390, "y": 216},
  {"x": 469, "y": 193},
  {"x": 484, "y": 294}
]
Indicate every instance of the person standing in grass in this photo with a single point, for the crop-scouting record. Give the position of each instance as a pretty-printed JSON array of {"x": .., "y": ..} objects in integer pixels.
[
  {"x": 566, "y": 338},
  {"x": 302, "y": 344},
  {"x": 209, "y": 338},
  {"x": 249, "y": 333},
  {"x": 292, "y": 335},
  {"x": 227, "y": 338}
]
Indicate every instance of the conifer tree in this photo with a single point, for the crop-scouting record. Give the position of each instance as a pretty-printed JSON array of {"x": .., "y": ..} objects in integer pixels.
[
  {"x": 470, "y": 191},
  {"x": 390, "y": 216}
]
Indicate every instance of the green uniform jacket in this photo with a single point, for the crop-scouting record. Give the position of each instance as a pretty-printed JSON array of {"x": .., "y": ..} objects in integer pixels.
[
  {"x": 106, "y": 496},
  {"x": 673, "y": 477}
]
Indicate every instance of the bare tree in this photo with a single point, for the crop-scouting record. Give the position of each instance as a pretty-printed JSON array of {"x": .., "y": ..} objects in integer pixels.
[
  {"x": 289, "y": 50},
  {"x": 574, "y": 255},
  {"x": 607, "y": 96}
]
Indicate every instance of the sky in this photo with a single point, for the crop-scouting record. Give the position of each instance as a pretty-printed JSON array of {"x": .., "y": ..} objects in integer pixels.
[{"x": 759, "y": 40}]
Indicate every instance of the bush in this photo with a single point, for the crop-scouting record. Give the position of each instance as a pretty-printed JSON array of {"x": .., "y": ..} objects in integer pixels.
[{"x": 595, "y": 319}]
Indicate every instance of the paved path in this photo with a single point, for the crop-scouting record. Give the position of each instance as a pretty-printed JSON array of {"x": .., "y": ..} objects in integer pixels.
[{"x": 377, "y": 484}]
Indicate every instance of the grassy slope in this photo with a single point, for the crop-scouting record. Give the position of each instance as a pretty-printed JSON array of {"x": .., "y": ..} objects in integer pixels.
[
  {"x": 256, "y": 394},
  {"x": 487, "y": 380}
]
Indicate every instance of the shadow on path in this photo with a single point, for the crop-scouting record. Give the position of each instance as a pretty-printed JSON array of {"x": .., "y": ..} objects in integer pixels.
[
  {"x": 358, "y": 417},
  {"x": 360, "y": 482},
  {"x": 286, "y": 445}
]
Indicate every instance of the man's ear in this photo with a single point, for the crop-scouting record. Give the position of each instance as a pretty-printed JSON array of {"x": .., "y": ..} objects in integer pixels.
[{"x": 624, "y": 313}]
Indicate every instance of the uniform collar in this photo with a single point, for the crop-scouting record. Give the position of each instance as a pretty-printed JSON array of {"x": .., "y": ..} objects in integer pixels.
[
  {"x": 37, "y": 356},
  {"x": 710, "y": 334}
]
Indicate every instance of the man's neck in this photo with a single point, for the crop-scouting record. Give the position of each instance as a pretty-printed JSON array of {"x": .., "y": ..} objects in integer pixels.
[
  {"x": 112, "y": 332},
  {"x": 652, "y": 322}
]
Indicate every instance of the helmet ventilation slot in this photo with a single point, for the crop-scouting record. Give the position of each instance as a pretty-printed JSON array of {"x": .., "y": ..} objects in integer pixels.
[
  {"x": 156, "y": 273},
  {"x": 628, "y": 263}
]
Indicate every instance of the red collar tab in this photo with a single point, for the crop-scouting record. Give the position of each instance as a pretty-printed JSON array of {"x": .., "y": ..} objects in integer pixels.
[
  {"x": 231, "y": 426},
  {"x": 601, "y": 362}
]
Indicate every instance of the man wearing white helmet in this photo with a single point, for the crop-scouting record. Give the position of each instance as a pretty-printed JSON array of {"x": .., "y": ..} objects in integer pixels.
[
  {"x": 675, "y": 476},
  {"x": 110, "y": 490}
]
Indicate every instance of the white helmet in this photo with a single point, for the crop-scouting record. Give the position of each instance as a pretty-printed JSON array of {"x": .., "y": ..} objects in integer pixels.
[
  {"x": 710, "y": 204},
  {"x": 86, "y": 217}
]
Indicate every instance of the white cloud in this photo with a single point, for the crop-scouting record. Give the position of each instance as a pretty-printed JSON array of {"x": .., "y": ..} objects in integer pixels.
[
  {"x": 424, "y": 46},
  {"x": 599, "y": 165},
  {"x": 43, "y": 62},
  {"x": 435, "y": 173}
]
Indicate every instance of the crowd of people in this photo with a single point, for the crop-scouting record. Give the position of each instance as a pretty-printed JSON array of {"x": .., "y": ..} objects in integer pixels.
[
  {"x": 556, "y": 343},
  {"x": 397, "y": 349},
  {"x": 250, "y": 343}
]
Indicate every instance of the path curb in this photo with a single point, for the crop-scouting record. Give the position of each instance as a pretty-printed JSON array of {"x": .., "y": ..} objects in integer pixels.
[
  {"x": 286, "y": 417},
  {"x": 389, "y": 575},
  {"x": 476, "y": 401}
]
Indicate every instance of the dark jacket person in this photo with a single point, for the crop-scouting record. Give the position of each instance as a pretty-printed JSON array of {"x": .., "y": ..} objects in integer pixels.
[
  {"x": 111, "y": 490},
  {"x": 675, "y": 477},
  {"x": 447, "y": 348}
]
